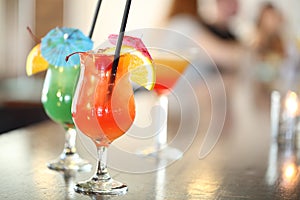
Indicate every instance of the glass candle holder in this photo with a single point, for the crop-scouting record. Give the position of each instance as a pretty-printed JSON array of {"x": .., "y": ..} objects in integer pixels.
[{"x": 284, "y": 116}]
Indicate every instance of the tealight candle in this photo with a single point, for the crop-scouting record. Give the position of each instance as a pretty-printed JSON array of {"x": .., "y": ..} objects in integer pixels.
[
  {"x": 291, "y": 104},
  {"x": 284, "y": 116},
  {"x": 287, "y": 129}
]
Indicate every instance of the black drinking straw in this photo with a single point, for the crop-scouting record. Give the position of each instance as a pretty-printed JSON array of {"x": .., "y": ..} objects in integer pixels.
[
  {"x": 95, "y": 18},
  {"x": 119, "y": 42}
]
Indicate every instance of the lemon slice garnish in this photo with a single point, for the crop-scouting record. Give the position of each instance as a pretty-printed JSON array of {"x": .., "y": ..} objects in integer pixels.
[{"x": 141, "y": 68}]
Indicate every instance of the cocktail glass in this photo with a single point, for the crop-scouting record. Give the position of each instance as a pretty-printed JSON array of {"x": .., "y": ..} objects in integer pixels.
[
  {"x": 103, "y": 110},
  {"x": 57, "y": 95},
  {"x": 169, "y": 68}
]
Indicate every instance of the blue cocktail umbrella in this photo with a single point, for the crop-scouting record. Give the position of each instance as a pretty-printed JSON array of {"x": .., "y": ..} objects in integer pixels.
[{"x": 61, "y": 42}]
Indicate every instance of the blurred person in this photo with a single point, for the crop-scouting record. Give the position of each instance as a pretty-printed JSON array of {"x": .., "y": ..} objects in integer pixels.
[
  {"x": 219, "y": 24},
  {"x": 269, "y": 46},
  {"x": 269, "y": 38},
  {"x": 213, "y": 34}
]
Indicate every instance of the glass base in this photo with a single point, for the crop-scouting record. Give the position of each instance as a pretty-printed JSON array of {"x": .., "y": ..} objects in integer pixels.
[
  {"x": 101, "y": 187},
  {"x": 70, "y": 162}
]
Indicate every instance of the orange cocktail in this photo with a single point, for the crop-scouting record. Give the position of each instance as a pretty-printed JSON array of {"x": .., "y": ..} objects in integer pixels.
[
  {"x": 168, "y": 71},
  {"x": 101, "y": 114},
  {"x": 103, "y": 109}
]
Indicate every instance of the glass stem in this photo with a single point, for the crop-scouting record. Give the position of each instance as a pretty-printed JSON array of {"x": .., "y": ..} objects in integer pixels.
[
  {"x": 70, "y": 142},
  {"x": 101, "y": 171},
  {"x": 162, "y": 117}
]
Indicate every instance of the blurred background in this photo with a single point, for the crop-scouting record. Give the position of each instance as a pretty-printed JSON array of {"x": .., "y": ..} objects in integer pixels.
[{"x": 20, "y": 95}]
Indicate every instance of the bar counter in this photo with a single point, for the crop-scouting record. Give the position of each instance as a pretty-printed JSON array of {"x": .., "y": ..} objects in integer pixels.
[{"x": 244, "y": 164}]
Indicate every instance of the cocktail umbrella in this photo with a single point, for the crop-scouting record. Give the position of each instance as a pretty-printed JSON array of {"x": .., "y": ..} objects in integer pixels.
[
  {"x": 130, "y": 41},
  {"x": 61, "y": 42}
]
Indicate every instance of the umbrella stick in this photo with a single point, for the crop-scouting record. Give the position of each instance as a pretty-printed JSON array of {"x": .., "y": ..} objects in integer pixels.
[
  {"x": 34, "y": 37},
  {"x": 95, "y": 18},
  {"x": 119, "y": 42}
]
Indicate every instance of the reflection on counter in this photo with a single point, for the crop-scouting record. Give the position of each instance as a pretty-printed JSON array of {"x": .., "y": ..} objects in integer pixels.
[{"x": 283, "y": 167}]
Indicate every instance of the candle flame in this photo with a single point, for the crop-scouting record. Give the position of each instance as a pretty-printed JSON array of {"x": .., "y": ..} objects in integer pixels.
[
  {"x": 291, "y": 103},
  {"x": 290, "y": 171}
]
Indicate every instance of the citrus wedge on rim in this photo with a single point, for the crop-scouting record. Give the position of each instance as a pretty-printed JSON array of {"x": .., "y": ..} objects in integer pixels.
[
  {"x": 35, "y": 62},
  {"x": 141, "y": 68}
]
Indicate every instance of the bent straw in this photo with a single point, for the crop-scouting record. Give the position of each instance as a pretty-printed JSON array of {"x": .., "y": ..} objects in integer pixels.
[
  {"x": 119, "y": 42},
  {"x": 95, "y": 18}
]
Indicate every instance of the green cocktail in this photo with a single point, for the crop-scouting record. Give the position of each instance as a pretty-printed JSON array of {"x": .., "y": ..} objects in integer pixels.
[
  {"x": 58, "y": 93},
  {"x": 58, "y": 90}
]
